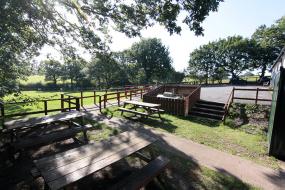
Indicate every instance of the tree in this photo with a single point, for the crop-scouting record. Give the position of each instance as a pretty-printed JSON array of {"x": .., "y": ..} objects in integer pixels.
[
  {"x": 27, "y": 25},
  {"x": 153, "y": 57},
  {"x": 52, "y": 70},
  {"x": 268, "y": 42},
  {"x": 203, "y": 62},
  {"x": 104, "y": 69},
  {"x": 233, "y": 55},
  {"x": 73, "y": 66}
]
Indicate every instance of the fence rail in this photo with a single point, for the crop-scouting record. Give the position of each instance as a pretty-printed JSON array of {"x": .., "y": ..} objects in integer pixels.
[{"x": 233, "y": 97}]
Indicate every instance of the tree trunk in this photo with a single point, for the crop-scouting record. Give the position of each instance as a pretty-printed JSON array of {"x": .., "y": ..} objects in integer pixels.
[{"x": 263, "y": 70}]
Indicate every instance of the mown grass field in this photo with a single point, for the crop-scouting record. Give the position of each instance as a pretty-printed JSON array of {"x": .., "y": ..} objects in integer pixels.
[
  {"x": 55, "y": 104},
  {"x": 214, "y": 134}
]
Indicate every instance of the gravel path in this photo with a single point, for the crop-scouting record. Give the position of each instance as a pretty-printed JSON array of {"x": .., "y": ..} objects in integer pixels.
[{"x": 221, "y": 94}]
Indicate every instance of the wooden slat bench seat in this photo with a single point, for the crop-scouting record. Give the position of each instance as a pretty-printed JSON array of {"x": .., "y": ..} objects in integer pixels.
[
  {"x": 30, "y": 142},
  {"x": 133, "y": 111},
  {"x": 64, "y": 168},
  {"x": 142, "y": 177}
]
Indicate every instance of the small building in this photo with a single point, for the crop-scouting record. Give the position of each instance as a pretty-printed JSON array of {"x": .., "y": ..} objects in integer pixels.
[{"x": 280, "y": 62}]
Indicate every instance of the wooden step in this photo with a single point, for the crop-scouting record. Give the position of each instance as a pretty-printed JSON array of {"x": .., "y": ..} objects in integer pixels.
[
  {"x": 207, "y": 110},
  {"x": 211, "y": 103},
  {"x": 207, "y": 115},
  {"x": 215, "y": 107},
  {"x": 142, "y": 177}
]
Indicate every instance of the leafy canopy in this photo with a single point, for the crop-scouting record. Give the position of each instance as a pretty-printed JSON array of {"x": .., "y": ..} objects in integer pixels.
[{"x": 26, "y": 25}]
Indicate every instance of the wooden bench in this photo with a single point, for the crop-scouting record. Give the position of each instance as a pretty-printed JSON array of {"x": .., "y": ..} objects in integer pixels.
[
  {"x": 65, "y": 168},
  {"x": 142, "y": 177},
  {"x": 133, "y": 111},
  {"x": 30, "y": 142}
]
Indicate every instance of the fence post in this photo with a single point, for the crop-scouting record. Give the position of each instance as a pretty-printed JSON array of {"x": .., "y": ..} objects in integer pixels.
[
  {"x": 69, "y": 104},
  {"x": 81, "y": 96},
  {"x": 77, "y": 104},
  {"x": 256, "y": 98},
  {"x": 62, "y": 102},
  {"x": 233, "y": 96},
  {"x": 118, "y": 98},
  {"x": 100, "y": 106},
  {"x": 45, "y": 107},
  {"x": 105, "y": 97},
  {"x": 141, "y": 93},
  {"x": 2, "y": 113},
  {"x": 131, "y": 92},
  {"x": 94, "y": 97}
]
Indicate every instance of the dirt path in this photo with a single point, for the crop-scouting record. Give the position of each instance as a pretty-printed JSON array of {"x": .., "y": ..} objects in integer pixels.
[{"x": 243, "y": 169}]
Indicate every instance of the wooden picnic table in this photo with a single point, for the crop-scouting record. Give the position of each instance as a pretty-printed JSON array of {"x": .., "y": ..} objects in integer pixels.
[
  {"x": 149, "y": 108},
  {"x": 64, "y": 168},
  {"x": 35, "y": 121}
]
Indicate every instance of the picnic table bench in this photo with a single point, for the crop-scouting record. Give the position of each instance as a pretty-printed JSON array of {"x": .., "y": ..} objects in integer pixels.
[
  {"x": 67, "y": 167},
  {"x": 36, "y": 125},
  {"x": 149, "y": 108}
]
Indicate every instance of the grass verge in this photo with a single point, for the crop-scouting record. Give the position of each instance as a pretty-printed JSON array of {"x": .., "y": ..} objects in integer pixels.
[{"x": 236, "y": 141}]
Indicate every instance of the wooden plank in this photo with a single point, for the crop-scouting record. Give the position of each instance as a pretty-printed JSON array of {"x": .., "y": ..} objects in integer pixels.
[
  {"x": 142, "y": 177},
  {"x": 83, "y": 162},
  {"x": 86, "y": 150},
  {"x": 31, "y": 122},
  {"x": 141, "y": 103},
  {"x": 67, "y": 176},
  {"x": 133, "y": 111},
  {"x": 49, "y": 138}
]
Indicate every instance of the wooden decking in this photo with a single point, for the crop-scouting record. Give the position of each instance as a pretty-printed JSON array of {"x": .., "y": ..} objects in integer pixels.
[{"x": 67, "y": 167}]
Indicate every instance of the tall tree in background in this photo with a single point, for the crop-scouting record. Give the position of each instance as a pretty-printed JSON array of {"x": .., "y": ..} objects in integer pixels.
[
  {"x": 203, "y": 62},
  {"x": 233, "y": 55},
  {"x": 268, "y": 43},
  {"x": 52, "y": 69},
  {"x": 153, "y": 57},
  {"x": 104, "y": 69},
  {"x": 26, "y": 25},
  {"x": 73, "y": 66}
]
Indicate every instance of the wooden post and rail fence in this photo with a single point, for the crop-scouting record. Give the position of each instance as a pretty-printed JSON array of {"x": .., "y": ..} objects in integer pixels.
[
  {"x": 256, "y": 99},
  {"x": 70, "y": 102}
]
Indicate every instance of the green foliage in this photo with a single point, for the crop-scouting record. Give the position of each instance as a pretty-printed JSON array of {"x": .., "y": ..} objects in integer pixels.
[
  {"x": 268, "y": 42},
  {"x": 53, "y": 70},
  {"x": 153, "y": 57},
  {"x": 105, "y": 69},
  {"x": 235, "y": 54},
  {"x": 27, "y": 25}
]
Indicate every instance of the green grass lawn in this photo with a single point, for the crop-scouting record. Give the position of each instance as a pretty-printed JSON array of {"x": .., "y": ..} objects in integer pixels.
[
  {"x": 55, "y": 104},
  {"x": 215, "y": 134}
]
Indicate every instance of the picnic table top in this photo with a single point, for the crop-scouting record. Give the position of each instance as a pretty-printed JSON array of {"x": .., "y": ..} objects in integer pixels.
[
  {"x": 64, "y": 168},
  {"x": 34, "y": 121},
  {"x": 144, "y": 104}
]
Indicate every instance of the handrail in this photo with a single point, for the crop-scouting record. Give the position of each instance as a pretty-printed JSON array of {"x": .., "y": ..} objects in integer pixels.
[{"x": 228, "y": 104}]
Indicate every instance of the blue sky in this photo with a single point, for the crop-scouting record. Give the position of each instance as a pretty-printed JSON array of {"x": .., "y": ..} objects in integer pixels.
[{"x": 234, "y": 17}]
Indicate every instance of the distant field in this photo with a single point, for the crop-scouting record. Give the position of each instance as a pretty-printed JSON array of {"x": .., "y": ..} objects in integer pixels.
[{"x": 34, "y": 79}]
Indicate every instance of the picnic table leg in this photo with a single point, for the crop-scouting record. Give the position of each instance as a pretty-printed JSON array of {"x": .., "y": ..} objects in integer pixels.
[
  {"x": 84, "y": 131},
  {"x": 123, "y": 107}
]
